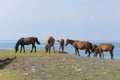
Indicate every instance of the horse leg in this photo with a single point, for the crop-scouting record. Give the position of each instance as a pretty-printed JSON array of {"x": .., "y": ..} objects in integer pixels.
[
  {"x": 49, "y": 49},
  {"x": 62, "y": 48},
  {"x": 85, "y": 51},
  {"x": 100, "y": 55},
  {"x": 54, "y": 48},
  {"x": 75, "y": 51},
  {"x": 111, "y": 53},
  {"x": 95, "y": 54},
  {"x": 103, "y": 55},
  {"x": 20, "y": 48},
  {"x": 24, "y": 48},
  {"x": 33, "y": 46},
  {"x": 78, "y": 52},
  {"x": 88, "y": 52}
]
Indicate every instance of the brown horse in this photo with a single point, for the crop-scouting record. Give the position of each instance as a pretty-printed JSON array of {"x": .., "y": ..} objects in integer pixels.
[
  {"x": 49, "y": 43},
  {"x": 61, "y": 41},
  {"x": 26, "y": 41},
  {"x": 94, "y": 46},
  {"x": 104, "y": 47},
  {"x": 82, "y": 45}
]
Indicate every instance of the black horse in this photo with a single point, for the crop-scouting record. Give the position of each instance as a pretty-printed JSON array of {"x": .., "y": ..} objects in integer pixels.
[{"x": 26, "y": 41}]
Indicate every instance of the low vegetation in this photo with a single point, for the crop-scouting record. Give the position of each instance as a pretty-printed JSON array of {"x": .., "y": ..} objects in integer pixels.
[{"x": 57, "y": 66}]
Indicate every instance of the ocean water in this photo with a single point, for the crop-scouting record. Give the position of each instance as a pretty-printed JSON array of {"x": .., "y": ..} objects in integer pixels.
[{"x": 9, "y": 45}]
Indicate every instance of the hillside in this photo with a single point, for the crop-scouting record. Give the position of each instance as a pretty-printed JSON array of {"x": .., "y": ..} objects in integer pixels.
[{"x": 58, "y": 66}]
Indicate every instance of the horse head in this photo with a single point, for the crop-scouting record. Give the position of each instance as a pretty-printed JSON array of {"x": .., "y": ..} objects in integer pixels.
[
  {"x": 16, "y": 49},
  {"x": 96, "y": 51},
  {"x": 68, "y": 41}
]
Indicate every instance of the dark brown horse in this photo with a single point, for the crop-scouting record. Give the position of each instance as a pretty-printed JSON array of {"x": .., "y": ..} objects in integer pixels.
[
  {"x": 61, "y": 41},
  {"x": 104, "y": 47},
  {"x": 26, "y": 41},
  {"x": 82, "y": 45},
  {"x": 49, "y": 43}
]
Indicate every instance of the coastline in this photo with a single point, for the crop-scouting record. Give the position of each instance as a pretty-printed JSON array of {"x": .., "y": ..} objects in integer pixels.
[{"x": 10, "y": 44}]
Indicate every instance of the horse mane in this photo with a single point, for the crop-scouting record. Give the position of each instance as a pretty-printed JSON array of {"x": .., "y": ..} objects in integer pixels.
[{"x": 71, "y": 41}]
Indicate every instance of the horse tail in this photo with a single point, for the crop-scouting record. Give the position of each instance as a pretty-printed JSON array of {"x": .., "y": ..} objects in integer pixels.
[
  {"x": 36, "y": 39},
  {"x": 91, "y": 47}
]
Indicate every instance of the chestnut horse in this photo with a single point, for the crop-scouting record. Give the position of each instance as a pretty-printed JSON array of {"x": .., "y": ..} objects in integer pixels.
[
  {"x": 49, "y": 43},
  {"x": 61, "y": 41},
  {"x": 94, "y": 46},
  {"x": 82, "y": 45},
  {"x": 104, "y": 47},
  {"x": 26, "y": 41}
]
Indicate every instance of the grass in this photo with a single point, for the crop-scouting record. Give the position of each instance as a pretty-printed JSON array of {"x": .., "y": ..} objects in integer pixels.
[{"x": 57, "y": 66}]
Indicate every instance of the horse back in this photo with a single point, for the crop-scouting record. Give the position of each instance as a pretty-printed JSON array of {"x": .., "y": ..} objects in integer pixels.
[
  {"x": 61, "y": 41},
  {"x": 82, "y": 44},
  {"x": 106, "y": 46},
  {"x": 27, "y": 40}
]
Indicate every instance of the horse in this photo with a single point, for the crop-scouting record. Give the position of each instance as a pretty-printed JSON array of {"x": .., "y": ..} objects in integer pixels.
[
  {"x": 49, "y": 43},
  {"x": 82, "y": 45},
  {"x": 104, "y": 47},
  {"x": 26, "y": 41},
  {"x": 94, "y": 46},
  {"x": 61, "y": 41}
]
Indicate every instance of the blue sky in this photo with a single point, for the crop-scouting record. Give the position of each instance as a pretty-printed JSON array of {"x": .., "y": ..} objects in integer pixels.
[{"x": 74, "y": 19}]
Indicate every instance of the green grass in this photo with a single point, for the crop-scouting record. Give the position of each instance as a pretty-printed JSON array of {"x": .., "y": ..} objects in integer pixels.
[
  {"x": 27, "y": 57},
  {"x": 57, "y": 66},
  {"x": 10, "y": 75}
]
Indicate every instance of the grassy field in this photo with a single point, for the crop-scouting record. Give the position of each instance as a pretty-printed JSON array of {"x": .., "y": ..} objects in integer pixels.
[{"x": 57, "y": 66}]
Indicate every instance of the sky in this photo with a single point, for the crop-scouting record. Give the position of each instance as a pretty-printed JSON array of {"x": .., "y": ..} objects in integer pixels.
[{"x": 73, "y": 19}]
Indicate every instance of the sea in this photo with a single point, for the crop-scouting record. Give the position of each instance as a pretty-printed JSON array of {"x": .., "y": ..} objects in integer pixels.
[{"x": 10, "y": 44}]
